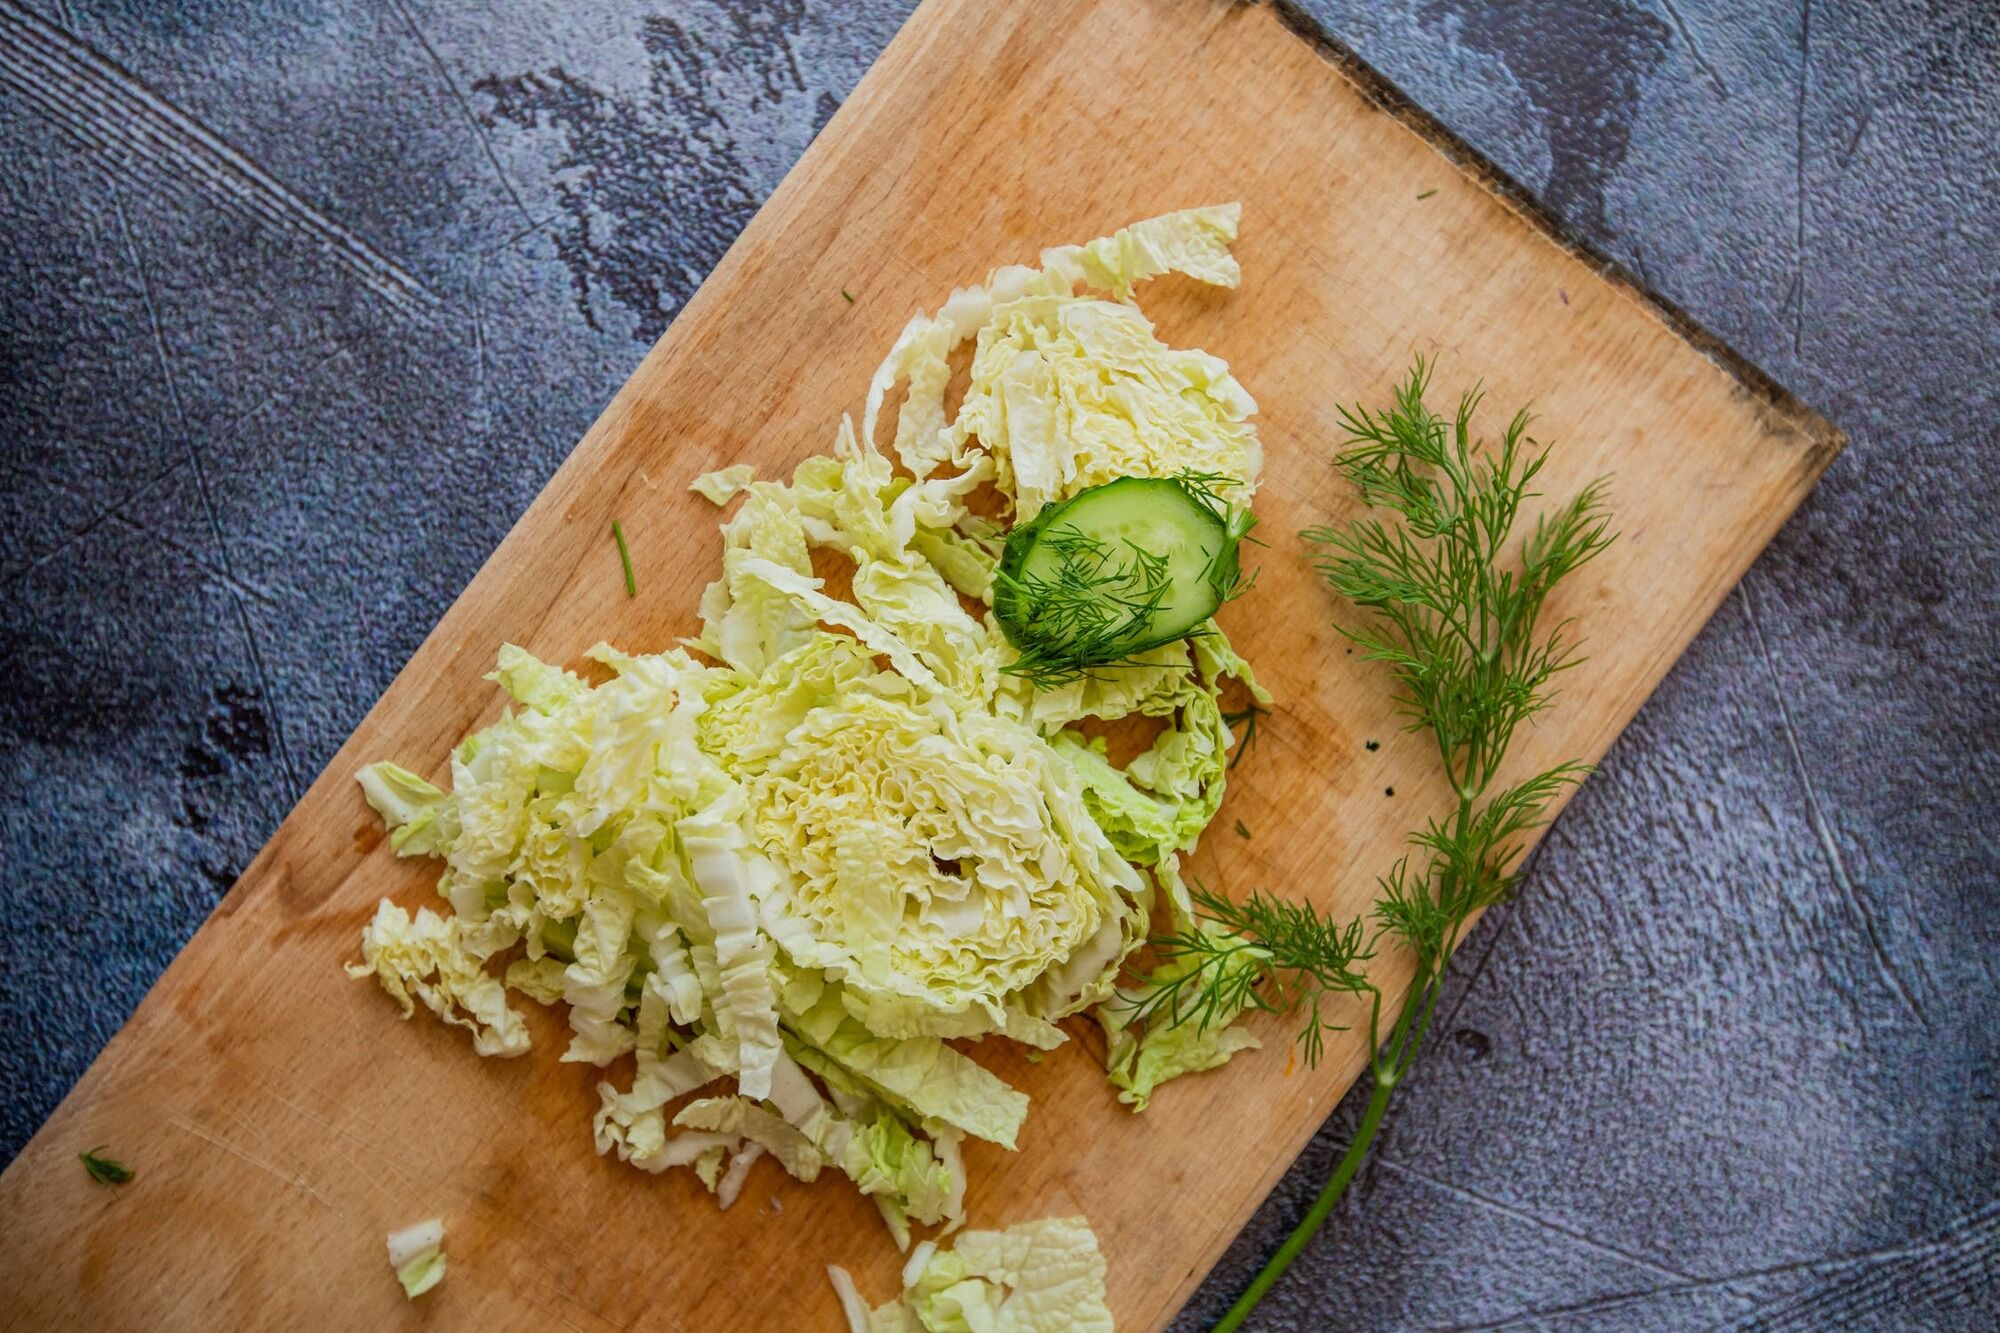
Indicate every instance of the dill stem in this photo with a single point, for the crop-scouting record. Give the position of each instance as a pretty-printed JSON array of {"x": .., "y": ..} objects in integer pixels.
[
  {"x": 1389, "y": 1062},
  {"x": 1308, "y": 1227},
  {"x": 1432, "y": 982}
]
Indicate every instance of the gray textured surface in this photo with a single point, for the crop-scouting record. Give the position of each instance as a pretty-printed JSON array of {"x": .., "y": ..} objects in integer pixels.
[{"x": 1733, "y": 1058}]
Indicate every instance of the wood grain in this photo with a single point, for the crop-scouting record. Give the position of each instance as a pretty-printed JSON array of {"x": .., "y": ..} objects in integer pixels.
[{"x": 281, "y": 1121}]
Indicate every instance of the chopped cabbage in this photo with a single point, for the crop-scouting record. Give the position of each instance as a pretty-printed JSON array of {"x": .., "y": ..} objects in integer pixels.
[
  {"x": 408, "y": 805},
  {"x": 784, "y": 866},
  {"x": 425, "y": 955},
  {"x": 417, "y": 1255},
  {"x": 1037, "y": 1277},
  {"x": 1070, "y": 393},
  {"x": 923, "y": 1076},
  {"x": 724, "y": 484},
  {"x": 852, "y": 1305},
  {"x": 988, "y": 873},
  {"x": 741, "y": 1116},
  {"x": 1194, "y": 241}
]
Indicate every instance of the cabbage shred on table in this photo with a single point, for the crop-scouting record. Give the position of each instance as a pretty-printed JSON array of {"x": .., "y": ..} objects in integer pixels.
[{"x": 782, "y": 866}]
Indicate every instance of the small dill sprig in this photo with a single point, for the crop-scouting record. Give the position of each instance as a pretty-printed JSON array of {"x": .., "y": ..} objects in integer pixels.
[
  {"x": 1246, "y": 718},
  {"x": 1224, "y": 571},
  {"x": 1098, "y": 598},
  {"x": 1102, "y": 595},
  {"x": 1454, "y": 619},
  {"x": 104, "y": 1170},
  {"x": 1213, "y": 970}
]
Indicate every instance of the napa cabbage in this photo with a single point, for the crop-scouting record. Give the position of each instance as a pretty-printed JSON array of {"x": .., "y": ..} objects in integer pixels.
[{"x": 773, "y": 874}]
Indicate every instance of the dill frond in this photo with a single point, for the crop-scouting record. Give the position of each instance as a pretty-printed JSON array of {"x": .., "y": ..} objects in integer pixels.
[{"x": 1454, "y": 606}]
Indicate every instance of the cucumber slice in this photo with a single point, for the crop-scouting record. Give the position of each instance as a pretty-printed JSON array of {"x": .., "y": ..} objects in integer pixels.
[{"x": 1115, "y": 570}]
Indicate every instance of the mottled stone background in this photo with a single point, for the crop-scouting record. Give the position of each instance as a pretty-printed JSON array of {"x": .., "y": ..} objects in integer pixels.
[{"x": 1731, "y": 1060}]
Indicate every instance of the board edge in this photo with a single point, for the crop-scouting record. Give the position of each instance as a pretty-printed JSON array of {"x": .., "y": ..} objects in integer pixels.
[{"x": 1824, "y": 439}]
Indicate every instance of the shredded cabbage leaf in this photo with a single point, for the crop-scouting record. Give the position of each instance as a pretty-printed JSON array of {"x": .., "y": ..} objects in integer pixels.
[
  {"x": 724, "y": 484},
  {"x": 417, "y": 1255},
  {"x": 1070, "y": 390},
  {"x": 1037, "y": 1277},
  {"x": 780, "y": 869}
]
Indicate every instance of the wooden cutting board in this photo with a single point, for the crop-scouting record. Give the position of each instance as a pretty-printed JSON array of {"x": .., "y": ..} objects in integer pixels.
[{"x": 279, "y": 1117}]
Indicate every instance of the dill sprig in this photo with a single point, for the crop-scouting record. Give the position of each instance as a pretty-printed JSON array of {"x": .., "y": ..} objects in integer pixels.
[
  {"x": 104, "y": 1170},
  {"x": 1224, "y": 571},
  {"x": 1097, "y": 599},
  {"x": 1455, "y": 622},
  {"x": 1220, "y": 965},
  {"x": 1101, "y": 595},
  {"x": 1454, "y": 603},
  {"x": 1246, "y": 717}
]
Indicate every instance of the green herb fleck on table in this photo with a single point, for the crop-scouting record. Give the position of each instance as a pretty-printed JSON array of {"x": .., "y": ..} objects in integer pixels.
[
  {"x": 1427, "y": 194},
  {"x": 104, "y": 1170},
  {"x": 849, "y": 296},
  {"x": 1242, "y": 830},
  {"x": 1453, "y": 603},
  {"x": 624, "y": 558}
]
